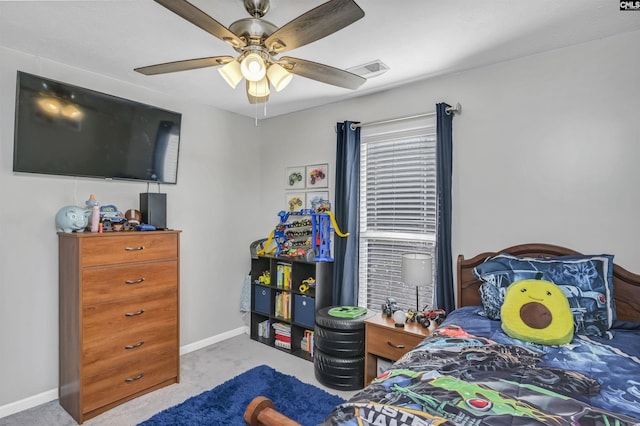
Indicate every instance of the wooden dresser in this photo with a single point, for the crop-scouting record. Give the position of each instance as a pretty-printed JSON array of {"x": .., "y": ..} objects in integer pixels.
[{"x": 119, "y": 329}]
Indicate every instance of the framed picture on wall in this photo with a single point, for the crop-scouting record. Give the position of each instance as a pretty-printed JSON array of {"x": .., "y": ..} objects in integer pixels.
[
  {"x": 295, "y": 177},
  {"x": 317, "y": 176},
  {"x": 318, "y": 201},
  {"x": 295, "y": 201}
]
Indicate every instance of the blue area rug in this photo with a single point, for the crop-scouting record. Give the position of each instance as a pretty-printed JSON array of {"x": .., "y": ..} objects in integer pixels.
[{"x": 225, "y": 404}]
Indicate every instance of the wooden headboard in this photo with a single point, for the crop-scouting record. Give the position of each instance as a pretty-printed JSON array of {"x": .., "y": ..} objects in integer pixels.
[{"x": 626, "y": 285}]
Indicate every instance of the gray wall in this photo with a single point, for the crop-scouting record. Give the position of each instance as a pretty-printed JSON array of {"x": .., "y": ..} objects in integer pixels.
[
  {"x": 545, "y": 150},
  {"x": 211, "y": 204}
]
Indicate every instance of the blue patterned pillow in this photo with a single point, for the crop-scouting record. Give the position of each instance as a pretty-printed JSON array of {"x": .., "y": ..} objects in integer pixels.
[{"x": 586, "y": 280}]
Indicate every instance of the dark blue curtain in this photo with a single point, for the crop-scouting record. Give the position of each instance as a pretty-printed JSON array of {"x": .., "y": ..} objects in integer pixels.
[
  {"x": 444, "y": 290},
  {"x": 346, "y": 210}
]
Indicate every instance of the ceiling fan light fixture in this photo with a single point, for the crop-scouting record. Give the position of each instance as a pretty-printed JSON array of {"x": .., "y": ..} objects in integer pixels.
[
  {"x": 279, "y": 77},
  {"x": 258, "y": 89},
  {"x": 49, "y": 105},
  {"x": 253, "y": 67},
  {"x": 231, "y": 73},
  {"x": 72, "y": 112}
]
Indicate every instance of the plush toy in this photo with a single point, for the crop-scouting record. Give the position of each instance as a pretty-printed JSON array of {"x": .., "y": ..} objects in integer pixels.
[{"x": 537, "y": 311}]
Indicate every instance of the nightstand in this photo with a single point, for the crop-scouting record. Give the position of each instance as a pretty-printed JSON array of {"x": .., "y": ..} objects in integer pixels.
[{"x": 383, "y": 339}]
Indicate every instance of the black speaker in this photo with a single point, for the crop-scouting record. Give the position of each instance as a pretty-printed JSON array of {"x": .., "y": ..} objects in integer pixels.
[{"x": 153, "y": 207}]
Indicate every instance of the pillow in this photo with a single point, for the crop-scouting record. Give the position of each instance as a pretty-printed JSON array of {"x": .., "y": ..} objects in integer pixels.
[
  {"x": 537, "y": 311},
  {"x": 587, "y": 282}
]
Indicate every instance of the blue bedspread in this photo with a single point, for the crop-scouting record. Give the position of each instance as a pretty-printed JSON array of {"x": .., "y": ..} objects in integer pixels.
[
  {"x": 469, "y": 372},
  {"x": 614, "y": 363}
]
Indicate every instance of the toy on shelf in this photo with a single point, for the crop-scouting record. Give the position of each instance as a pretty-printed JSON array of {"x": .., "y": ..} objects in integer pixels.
[
  {"x": 265, "y": 278},
  {"x": 307, "y": 284},
  {"x": 304, "y": 233}
]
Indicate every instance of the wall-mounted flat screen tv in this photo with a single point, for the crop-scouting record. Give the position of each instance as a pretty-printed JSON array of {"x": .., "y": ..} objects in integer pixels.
[{"x": 61, "y": 129}]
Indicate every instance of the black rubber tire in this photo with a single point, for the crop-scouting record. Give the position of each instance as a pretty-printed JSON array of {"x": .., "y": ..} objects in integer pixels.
[
  {"x": 339, "y": 373},
  {"x": 340, "y": 343},
  {"x": 323, "y": 319}
]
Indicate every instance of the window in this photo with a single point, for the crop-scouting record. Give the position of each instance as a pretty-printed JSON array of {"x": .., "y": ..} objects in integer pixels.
[{"x": 397, "y": 208}]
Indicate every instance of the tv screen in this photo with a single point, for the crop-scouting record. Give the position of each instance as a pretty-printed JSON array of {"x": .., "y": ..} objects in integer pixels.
[{"x": 61, "y": 129}]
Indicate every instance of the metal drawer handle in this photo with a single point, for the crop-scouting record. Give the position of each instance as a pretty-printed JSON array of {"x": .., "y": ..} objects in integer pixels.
[
  {"x": 134, "y": 248},
  {"x": 137, "y": 345},
  {"x": 133, "y": 314},
  {"x": 395, "y": 346},
  {"x": 139, "y": 280},
  {"x": 133, "y": 379}
]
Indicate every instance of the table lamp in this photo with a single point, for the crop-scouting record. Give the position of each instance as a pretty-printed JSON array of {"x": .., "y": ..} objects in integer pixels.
[{"x": 416, "y": 270}]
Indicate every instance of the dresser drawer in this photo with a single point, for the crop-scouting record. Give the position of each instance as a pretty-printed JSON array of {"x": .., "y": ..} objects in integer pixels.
[
  {"x": 102, "y": 284},
  {"x": 388, "y": 343},
  {"x": 149, "y": 339},
  {"x": 115, "y": 384},
  {"x": 133, "y": 247},
  {"x": 129, "y": 318}
]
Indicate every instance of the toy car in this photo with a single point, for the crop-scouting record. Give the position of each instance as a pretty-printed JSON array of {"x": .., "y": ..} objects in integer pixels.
[
  {"x": 426, "y": 317},
  {"x": 390, "y": 307},
  {"x": 111, "y": 213}
]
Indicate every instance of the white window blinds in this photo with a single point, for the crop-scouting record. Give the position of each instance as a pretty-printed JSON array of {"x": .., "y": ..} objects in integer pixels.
[{"x": 397, "y": 208}]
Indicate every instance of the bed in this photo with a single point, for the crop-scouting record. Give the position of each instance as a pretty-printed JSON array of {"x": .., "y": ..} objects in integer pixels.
[{"x": 471, "y": 372}]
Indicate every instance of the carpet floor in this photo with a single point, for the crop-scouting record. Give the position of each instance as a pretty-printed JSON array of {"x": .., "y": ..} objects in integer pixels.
[
  {"x": 225, "y": 404},
  {"x": 200, "y": 371}
]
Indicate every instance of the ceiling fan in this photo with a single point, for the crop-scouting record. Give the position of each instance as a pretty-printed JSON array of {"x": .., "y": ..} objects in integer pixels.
[{"x": 259, "y": 42}]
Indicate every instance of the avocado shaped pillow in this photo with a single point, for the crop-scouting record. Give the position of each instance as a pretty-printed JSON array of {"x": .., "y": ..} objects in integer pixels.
[{"x": 537, "y": 311}]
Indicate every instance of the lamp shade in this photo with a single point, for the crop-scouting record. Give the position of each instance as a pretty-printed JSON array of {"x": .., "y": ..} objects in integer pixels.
[
  {"x": 231, "y": 73},
  {"x": 417, "y": 269},
  {"x": 258, "y": 89},
  {"x": 253, "y": 67},
  {"x": 279, "y": 77}
]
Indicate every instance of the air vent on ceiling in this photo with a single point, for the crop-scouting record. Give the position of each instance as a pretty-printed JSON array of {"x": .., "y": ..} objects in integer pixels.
[{"x": 370, "y": 69}]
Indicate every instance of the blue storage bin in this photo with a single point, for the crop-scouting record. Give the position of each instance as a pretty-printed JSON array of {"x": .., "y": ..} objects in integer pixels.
[
  {"x": 304, "y": 310},
  {"x": 261, "y": 299}
]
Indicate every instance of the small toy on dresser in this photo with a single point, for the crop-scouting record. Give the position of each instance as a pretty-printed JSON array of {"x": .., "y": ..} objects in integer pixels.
[
  {"x": 93, "y": 205},
  {"x": 72, "y": 218}
]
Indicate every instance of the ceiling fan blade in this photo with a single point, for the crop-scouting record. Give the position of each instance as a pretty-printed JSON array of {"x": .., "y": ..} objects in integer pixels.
[
  {"x": 189, "y": 64},
  {"x": 197, "y": 17},
  {"x": 323, "y": 73},
  {"x": 313, "y": 25}
]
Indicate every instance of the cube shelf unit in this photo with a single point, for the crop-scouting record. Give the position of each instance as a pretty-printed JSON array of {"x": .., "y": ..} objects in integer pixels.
[{"x": 282, "y": 302}]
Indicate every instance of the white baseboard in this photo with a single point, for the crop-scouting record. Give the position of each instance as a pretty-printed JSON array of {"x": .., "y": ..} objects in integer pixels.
[
  {"x": 30, "y": 402},
  {"x": 51, "y": 395},
  {"x": 213, "y": 339}
]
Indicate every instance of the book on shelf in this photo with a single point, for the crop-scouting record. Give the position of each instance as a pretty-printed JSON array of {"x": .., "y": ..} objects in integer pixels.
[
  {"x": 283, "y": 305},
  {"x": 283, "y": 276},
  {"x": 279, "y": 275},
  {"x": 282, "y": 335},
  {"x": 306, "y": 343},
  {"x": 281, "y": 328},
  {"x": 287, "y": 277},
  {"x": 264, "y": 329},
  {"x": 281, "y": 344}
]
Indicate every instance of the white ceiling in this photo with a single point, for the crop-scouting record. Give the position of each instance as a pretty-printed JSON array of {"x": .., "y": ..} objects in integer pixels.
[{"x": 417, "y": 39}]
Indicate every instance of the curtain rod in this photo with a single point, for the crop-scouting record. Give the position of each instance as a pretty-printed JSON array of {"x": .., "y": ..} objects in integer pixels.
[{"x": 449, "y": 110}]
